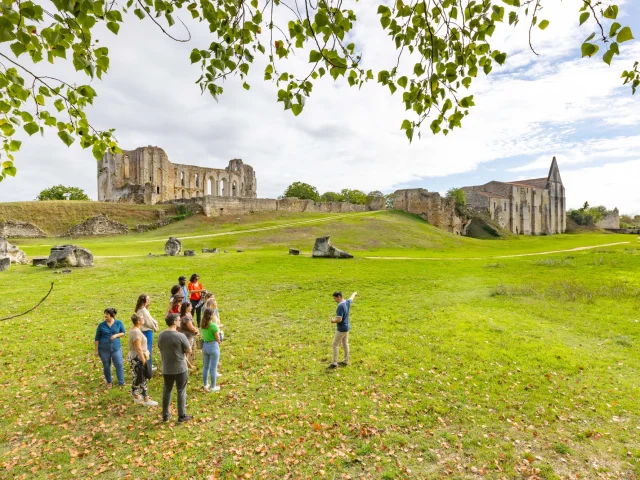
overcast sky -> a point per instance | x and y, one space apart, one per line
528 111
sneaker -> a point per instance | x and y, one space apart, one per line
332 366
214 389
165 419
207 388
186 418
218 374
154 368
343 364
138 400
150 403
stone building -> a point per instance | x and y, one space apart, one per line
610 220
524 207
145 175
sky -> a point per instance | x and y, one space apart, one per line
528 111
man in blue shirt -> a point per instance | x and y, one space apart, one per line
183 288
342 328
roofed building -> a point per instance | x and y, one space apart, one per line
524 207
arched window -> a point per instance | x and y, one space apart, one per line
234 189
516 208
158 190
209 186
125 165
182 180
197 181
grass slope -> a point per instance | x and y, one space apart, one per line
57 217
520 367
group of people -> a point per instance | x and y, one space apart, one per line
177 343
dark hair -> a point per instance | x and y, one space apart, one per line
175 289
183 309
142 300
135 319
171 319
182 277
112 312
337 293
207 316
193 277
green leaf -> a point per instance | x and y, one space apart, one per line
195 55
501 58
615 26
14 146
66 138
402 81
607 57
296 108
31 128
624 35
543 24
314 56
611 12
17 48
139 13
59 105
589 49
584 16
246 86
113 26
10 171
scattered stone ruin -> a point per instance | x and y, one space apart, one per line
172 247
15 254
69 256
524 207
439 212
98 225
611 221
324 249
145 175
5 261
12 229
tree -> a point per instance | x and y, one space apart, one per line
353 196
442 46
587 216
331 197
459 195
58 193
372 196
303 191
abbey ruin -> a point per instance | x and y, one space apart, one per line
524 207
145 175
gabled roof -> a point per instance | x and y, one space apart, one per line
533 182
491 195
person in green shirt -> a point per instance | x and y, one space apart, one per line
210 349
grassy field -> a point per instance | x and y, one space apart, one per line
464 365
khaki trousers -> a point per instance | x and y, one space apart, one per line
340 338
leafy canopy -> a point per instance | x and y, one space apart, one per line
58 193
587 215
303 191
459 195
442 45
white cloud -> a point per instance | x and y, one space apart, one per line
345 137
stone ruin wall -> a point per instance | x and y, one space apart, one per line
610 221
221 206
14 229
145 175
439 212
98 225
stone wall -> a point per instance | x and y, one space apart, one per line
439 212
610 221
12 229
98 225
221 206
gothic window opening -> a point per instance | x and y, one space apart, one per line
209 187
158 190
197 181
234 189
126 167
182 180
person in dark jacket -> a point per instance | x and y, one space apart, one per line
108 348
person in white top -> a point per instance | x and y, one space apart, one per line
149 325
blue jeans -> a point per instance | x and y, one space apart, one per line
210 357
149 335
107 356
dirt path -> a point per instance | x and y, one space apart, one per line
577 249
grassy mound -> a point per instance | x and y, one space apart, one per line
57 217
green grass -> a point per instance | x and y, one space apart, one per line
500 367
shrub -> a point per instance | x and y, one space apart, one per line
303 191
59 191
331 197
459 195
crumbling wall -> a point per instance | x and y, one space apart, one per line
439 212
12 229
610 221
98 225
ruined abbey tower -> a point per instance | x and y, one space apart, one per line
145 175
